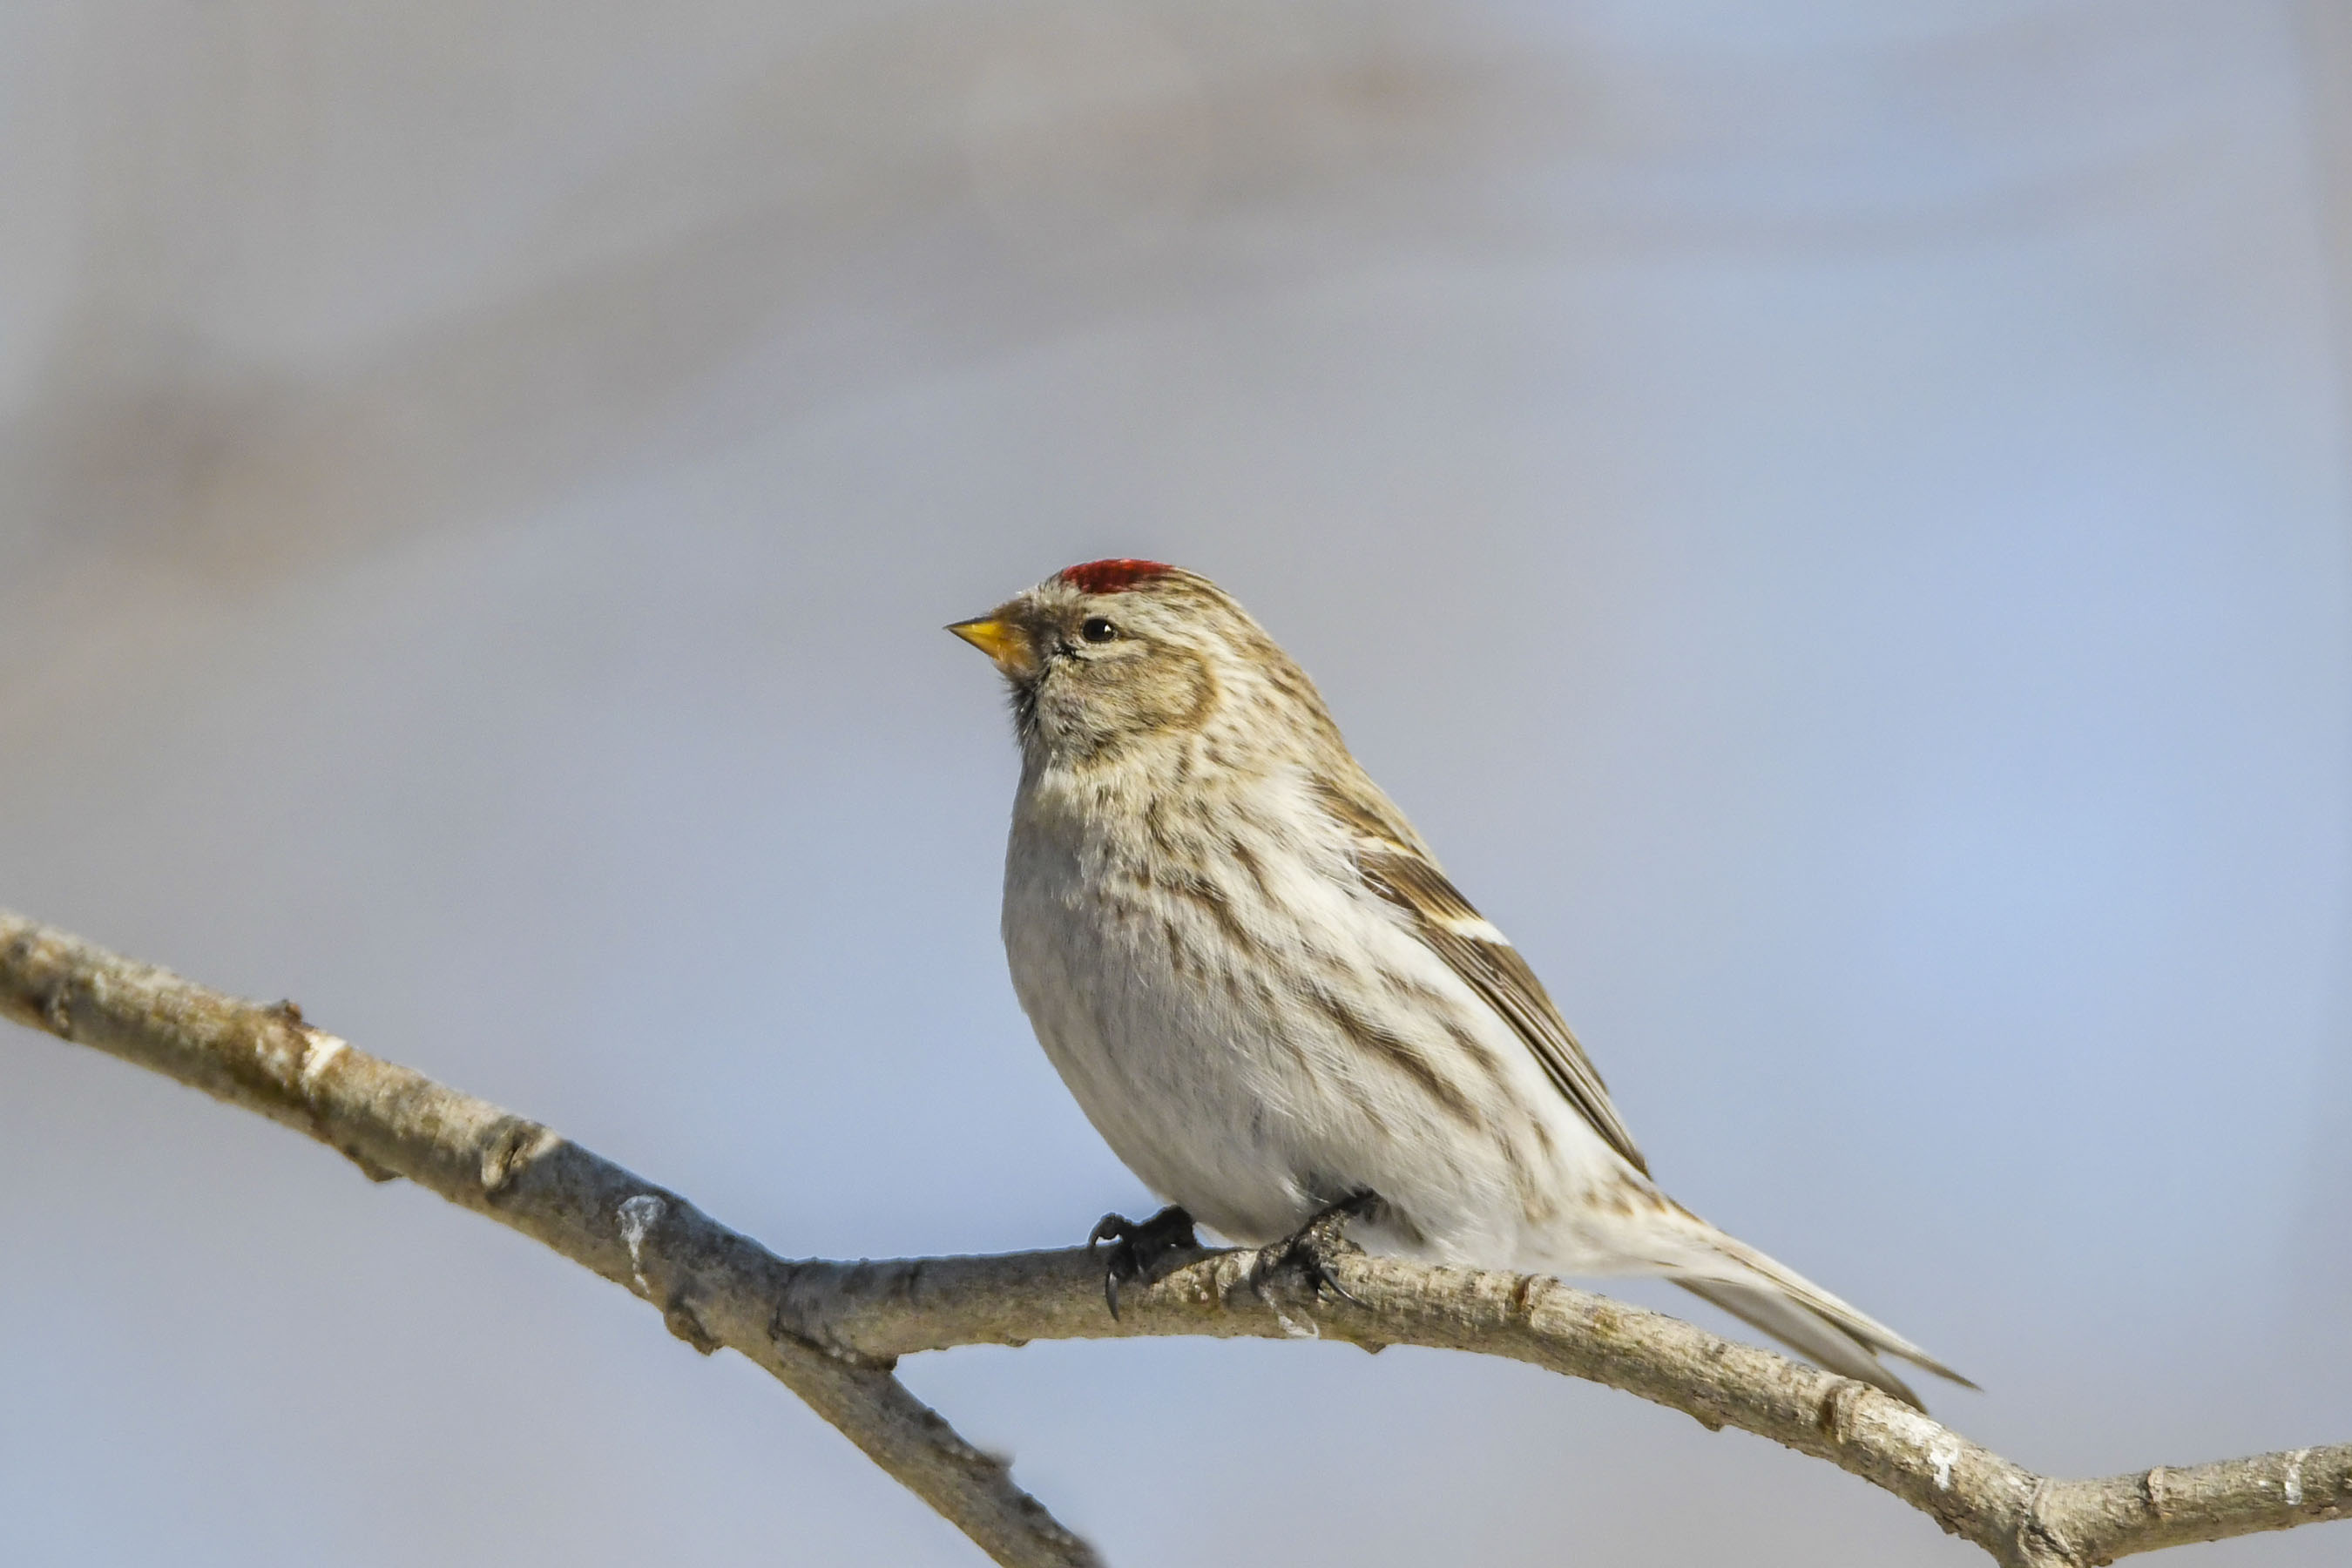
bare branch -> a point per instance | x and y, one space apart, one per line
393 1123
832 1331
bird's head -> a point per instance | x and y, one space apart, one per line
1111 653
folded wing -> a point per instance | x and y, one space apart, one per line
1395 865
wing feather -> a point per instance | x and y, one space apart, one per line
1396 865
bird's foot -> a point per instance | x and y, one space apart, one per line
1310 1248
1139 1253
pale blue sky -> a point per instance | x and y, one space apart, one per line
1834 525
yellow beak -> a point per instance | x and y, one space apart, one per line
999 640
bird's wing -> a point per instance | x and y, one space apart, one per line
1397 865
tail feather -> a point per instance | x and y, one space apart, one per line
1814 1338
1763 1292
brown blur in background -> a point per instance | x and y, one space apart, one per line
1832 516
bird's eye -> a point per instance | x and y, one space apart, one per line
1097 629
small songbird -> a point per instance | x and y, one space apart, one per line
1271 1002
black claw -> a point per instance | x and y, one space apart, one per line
1138 1252
1310 1248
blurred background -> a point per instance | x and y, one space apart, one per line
1832 516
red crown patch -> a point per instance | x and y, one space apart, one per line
1111 576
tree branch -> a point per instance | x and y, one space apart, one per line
393 1123
832 1331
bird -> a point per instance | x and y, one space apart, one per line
1273 1005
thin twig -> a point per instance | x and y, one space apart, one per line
832 1331
392 1122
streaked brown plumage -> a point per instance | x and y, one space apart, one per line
1268 997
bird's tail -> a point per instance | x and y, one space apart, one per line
1790 1307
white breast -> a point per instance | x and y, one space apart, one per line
1209 1004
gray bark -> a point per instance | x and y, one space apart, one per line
833 1331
